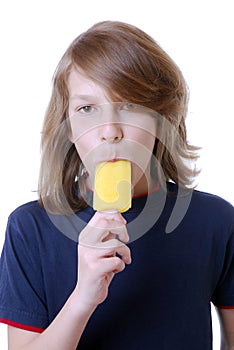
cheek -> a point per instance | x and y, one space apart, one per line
148 141
143 137
84 144
144 131
142 149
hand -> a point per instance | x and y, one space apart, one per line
97 260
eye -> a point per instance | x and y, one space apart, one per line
85 109
128 106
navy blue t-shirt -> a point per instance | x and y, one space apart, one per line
182 259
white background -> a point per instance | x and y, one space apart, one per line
33 36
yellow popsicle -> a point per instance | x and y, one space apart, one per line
112 186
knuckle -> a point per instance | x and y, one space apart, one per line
119 265
103 223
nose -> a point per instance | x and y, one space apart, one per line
111 132
110 129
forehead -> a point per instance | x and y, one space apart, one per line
80 86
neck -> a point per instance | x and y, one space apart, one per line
144 185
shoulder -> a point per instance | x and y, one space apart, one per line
28 212
29 219
29 208
213 209
212 202
202 206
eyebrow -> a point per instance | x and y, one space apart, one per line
81 97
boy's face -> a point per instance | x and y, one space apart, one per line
103 130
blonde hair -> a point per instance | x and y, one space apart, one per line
130 66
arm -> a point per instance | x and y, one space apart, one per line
226 318
63 333
97 266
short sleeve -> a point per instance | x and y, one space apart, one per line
223 296
22 296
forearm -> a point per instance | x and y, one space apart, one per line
225 346
64 332
226 318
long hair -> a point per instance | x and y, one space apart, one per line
131 66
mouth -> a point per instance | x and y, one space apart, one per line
114 160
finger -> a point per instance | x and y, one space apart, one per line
113 229
106 250
112 264
125 253
103 230
109 246
122 250
109 215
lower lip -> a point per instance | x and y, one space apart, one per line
115 160
112 160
